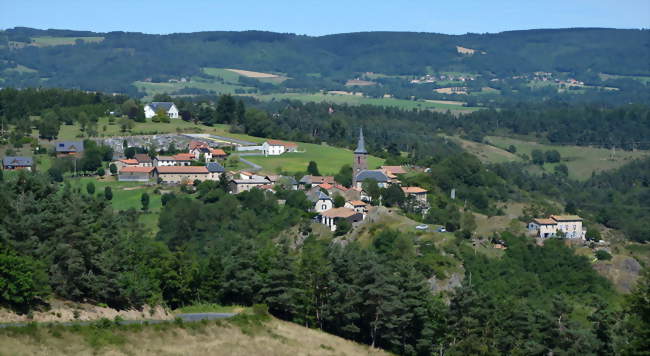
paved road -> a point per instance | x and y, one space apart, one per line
255 167
223 138
191 317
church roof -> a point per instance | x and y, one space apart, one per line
361 145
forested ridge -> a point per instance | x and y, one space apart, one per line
122 58
57 240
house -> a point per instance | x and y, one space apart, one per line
126 162
377 175
395 170
69 148
135 174
289 181
314 180
150 110
197 144
418 193
358 206
215 170
182 174
332 216
10 163
569 225
181 159
143 160
218 153
198 151
321 201
237 186
245 175
277 147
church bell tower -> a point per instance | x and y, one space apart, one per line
360 158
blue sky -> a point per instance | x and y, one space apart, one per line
323 17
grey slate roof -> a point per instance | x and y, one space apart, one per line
214 167
17 161
318 196
361 145
70 146
379 176
158 105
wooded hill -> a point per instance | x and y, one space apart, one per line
112 61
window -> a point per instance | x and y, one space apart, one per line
323 206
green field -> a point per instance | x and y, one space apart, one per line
57 41
195 82
233 77
360 100
642 79
486 153
329 159
582 161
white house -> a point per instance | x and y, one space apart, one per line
277 147
569 225
321 201
150 110
331 217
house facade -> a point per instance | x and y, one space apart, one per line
12 163
182 159
150 110
143 160
237 186
69 148
358 206
331 217
135 174
321 201
182 174
277 147
570 226
418 193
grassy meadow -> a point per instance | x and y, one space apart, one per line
329 159
582 161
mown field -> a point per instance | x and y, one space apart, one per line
582 161
360 100
329 159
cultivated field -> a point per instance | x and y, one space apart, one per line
582 161
329 159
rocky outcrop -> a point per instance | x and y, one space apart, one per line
622 271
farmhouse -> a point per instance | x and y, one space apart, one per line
416 192
126 162
315 180
181 159
288 181
570 226
135 174
143 160
332 216
198 151
10 163
277 147
182 174
69 148
237 186
218 153
168 108
215 170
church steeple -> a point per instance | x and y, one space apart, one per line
360 162
361 145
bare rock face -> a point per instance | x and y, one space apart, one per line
454 281
622 271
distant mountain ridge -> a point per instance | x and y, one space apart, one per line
113 60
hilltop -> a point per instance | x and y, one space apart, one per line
380 65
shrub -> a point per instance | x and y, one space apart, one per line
603 255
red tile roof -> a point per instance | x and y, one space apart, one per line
129 161
218 152
545 221
413 190
339 213
183 157
182 169
136 170
197 144
357 203
281 143
394 169
326 186
566 218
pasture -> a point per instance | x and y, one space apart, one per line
485 153
582 161
329 159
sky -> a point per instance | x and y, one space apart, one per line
322 17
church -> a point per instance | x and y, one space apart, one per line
360 171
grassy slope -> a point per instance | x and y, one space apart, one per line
56 41
582 161
223 337
329 159
486 153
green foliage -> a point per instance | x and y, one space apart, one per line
90 188
344 177
339 200
603 255
342 227
312 169
144 199
23 282
108 193
101 171
393 196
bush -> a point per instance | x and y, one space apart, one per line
603 255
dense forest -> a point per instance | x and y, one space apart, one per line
121 58
58 240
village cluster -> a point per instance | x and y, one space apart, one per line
205 162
